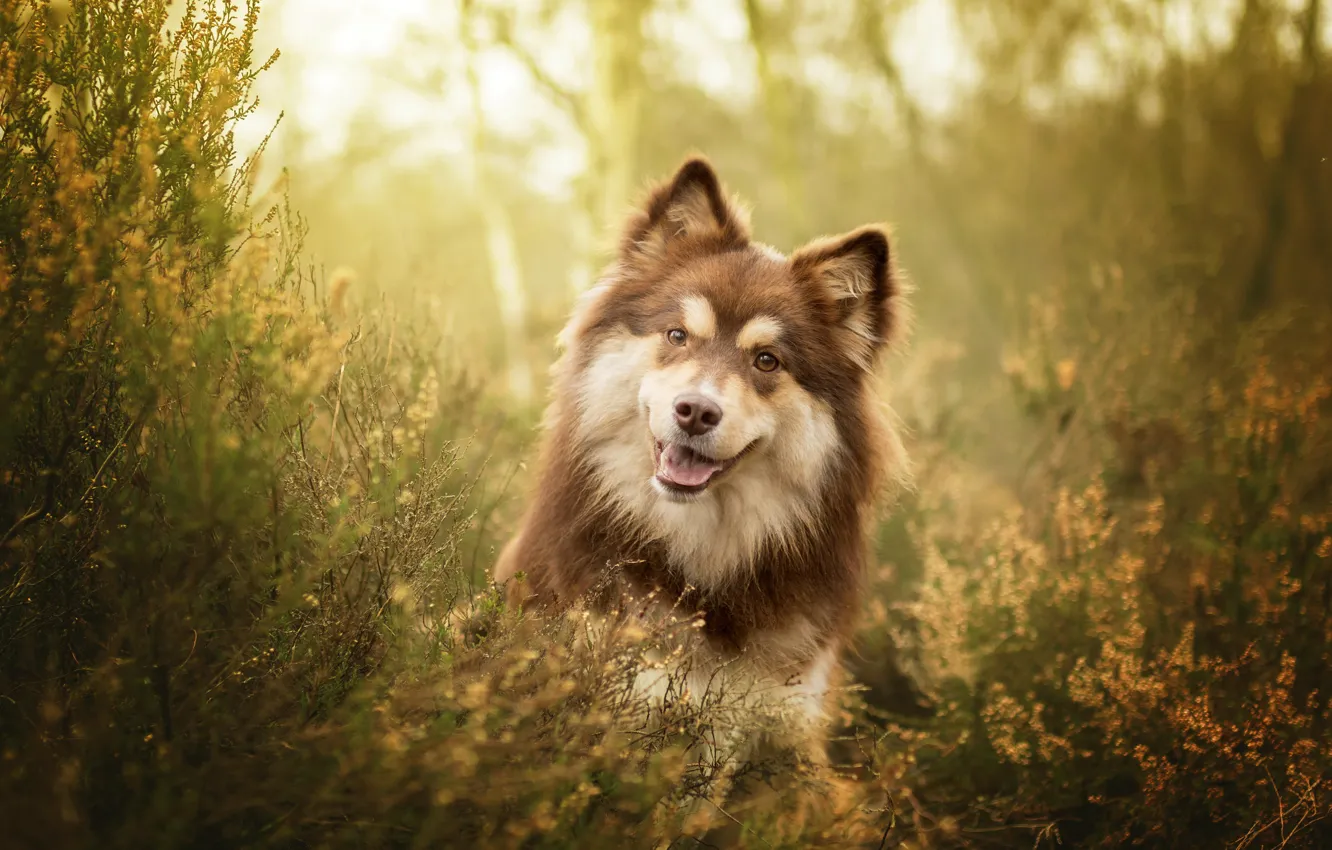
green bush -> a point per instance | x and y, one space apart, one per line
237 604
242 597
1141 658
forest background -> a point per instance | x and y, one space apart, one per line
269 399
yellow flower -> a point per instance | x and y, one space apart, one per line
1066 372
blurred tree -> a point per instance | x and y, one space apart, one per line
606 111
615 102
501 241
1281 183
768 33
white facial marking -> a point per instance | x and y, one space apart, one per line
758 332
612 376
624 403
699 318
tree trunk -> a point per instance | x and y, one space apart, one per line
1286 169
501 242
778 110
614 107
583 233
608 116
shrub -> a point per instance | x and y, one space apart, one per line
1141 658
236 607
239 533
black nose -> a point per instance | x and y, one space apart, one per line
696 415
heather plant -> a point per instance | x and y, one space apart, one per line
1140 658
237 597
247 510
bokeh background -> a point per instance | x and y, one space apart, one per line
1123 160
271 387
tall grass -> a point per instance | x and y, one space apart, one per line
1136 653
239 531
235 604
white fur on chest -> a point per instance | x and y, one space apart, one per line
739 703
784 672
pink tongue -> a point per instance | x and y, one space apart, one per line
680 466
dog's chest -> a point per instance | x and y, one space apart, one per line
787 671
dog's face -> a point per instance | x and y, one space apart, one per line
721 394
708 370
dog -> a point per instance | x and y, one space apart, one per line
715 443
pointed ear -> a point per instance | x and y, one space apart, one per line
692 207
856 271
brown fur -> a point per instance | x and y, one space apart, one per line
839 302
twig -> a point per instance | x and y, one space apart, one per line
337 408
737 822
565 98
107 459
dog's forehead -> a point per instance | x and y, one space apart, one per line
739 287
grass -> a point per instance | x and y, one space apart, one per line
245 520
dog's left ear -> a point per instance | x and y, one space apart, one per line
691 206
856 270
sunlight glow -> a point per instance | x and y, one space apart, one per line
350 60
397 66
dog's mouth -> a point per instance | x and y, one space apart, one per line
683 470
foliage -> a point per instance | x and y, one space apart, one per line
1142 660
246 508
237 604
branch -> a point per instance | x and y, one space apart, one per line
871 26
563 97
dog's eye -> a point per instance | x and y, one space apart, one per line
676 336
766 362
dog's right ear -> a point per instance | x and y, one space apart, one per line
690 208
